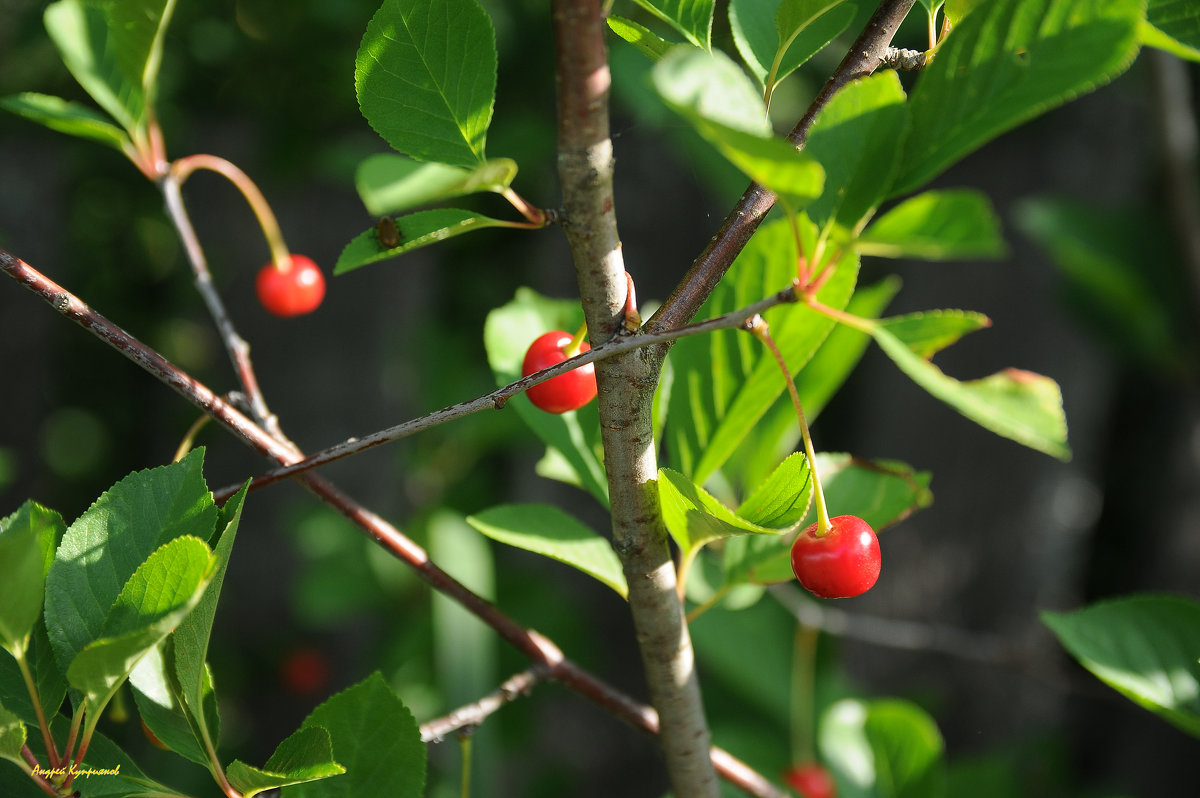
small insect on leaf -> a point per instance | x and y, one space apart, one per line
388 233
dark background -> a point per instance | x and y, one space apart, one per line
269 85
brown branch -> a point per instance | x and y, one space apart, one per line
474 714
710 266
533 645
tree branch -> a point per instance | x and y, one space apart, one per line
537 648
710 266
626 392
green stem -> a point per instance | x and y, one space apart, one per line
464 741
183 168
842 317
759 328
31 686
700 609
804 669
575 346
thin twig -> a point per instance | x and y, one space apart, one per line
476 713
235 345
537 648
498 398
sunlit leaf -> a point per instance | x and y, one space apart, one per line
692 18
646 41
928 332
415 230
1145 647
389 183
936 225
547 530
425 76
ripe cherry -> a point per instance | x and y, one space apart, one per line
810 781
842 563
569 391
293 290
304 671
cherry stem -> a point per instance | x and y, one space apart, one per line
804 668
574 347
31 687
183 168
758 327
536 216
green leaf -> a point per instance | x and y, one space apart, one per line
646 41
726 381
51 684
507 333
425 76
716 97
389 183
416 230
156 598
928 332
12 736
305 756
173 686
101 550
766 42
138 28
80 30
890 744
67 117
376 738
1005 63
936 225
549 531
880 492
694 517
1174 26
783 498
692 18
778 432
1016 404
711 87
28 539
1145 647
857 138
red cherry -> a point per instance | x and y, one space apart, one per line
811 781
304 671
842 563
569 391
293 290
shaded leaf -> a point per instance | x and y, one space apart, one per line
416 230
692 18
28 539
425 76
928 332
891 744
857 138
1005 63
50 682
1145 647
760 35
1174 26
67 117
1016 404
783 498
389 183
936 225
12 736
376 738
646 41
305 756
549 531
